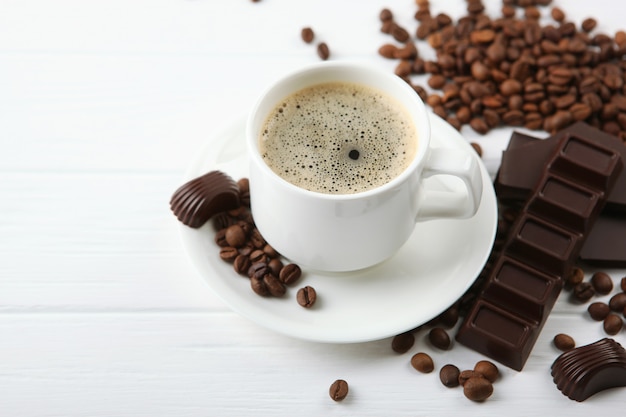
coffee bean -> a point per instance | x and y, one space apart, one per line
258 270
580 111
388 51
558 121
618 302
583 291
532 12
563 342
467 374
306 296
491 117
439 338
575 276
475 7
338 390
560 76
258 286
449 375
602 283
482 36
589 24
623 284
385 15
228 253
274 286
401 343
404 68
436 81
533 120
220 238
451 315
241 264
290 273
235 236
487 369
322 51
422 362
258 256
399 33
510 87
480 71
613 324
479 125
307 34
557 14
513 118
275 265
477 389
598 310
270 251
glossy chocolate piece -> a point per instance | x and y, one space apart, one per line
541 247
199 199
584 371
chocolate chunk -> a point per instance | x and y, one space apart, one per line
584 371
540 249
196 201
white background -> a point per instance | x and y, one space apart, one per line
103 106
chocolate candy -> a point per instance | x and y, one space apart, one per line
521 164
196 201
540 249
582 372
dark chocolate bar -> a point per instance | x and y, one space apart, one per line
605 245
541 247
584 371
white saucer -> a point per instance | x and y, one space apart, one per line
429 273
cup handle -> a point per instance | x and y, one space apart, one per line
462 204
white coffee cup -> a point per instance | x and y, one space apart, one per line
346 232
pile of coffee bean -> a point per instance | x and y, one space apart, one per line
477 383
511 70
242 244
611 314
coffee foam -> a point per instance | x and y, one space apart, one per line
338 138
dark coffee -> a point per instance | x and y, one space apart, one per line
338 138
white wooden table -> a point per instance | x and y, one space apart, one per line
103 105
